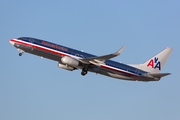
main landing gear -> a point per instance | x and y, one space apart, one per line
84 71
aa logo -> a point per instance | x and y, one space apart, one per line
155 63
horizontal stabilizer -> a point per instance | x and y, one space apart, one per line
159 75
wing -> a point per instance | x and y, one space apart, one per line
101 59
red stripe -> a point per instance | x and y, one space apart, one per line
118 71
39 47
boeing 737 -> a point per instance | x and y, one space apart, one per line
71 59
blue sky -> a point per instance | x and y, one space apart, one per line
35 88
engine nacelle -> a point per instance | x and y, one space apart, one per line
70 61
65 67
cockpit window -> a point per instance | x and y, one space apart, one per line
21 38
28 39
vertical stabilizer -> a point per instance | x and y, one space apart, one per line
156 63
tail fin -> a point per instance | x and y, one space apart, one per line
156 63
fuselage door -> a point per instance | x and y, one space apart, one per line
32 42
137 71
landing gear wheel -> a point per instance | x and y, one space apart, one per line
84 72
20 54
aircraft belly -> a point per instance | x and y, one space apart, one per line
46 54
120 76
110 73
23 47
39 52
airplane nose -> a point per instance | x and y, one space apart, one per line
11 42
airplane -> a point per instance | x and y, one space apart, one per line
71 59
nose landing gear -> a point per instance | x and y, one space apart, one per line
21 52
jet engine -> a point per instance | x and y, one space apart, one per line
65 67
70 61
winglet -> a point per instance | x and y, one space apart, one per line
120 50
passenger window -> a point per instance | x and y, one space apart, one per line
35 41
